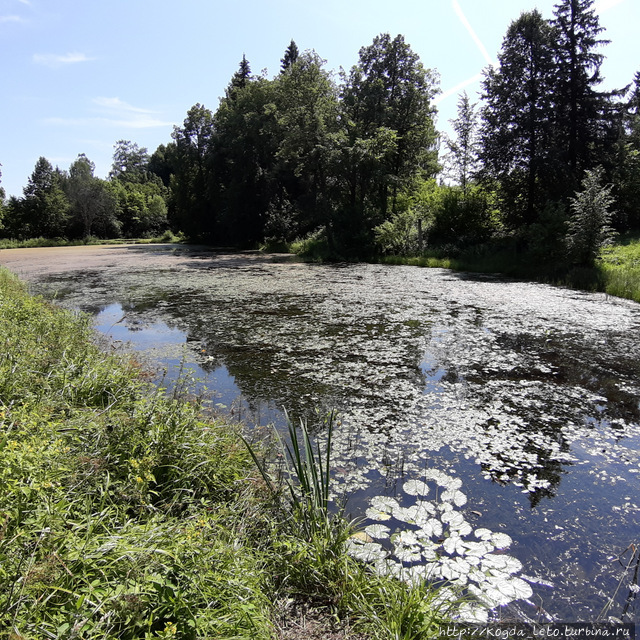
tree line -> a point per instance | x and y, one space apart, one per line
356 164
76 204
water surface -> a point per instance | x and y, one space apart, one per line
530 394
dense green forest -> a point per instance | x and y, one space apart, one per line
546 163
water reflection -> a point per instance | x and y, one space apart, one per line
528 394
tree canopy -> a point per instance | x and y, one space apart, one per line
353 160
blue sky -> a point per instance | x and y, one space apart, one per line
78 75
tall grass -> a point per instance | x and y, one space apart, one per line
381 606
123 513
301 491
620 266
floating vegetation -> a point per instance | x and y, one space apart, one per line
530 393
441 546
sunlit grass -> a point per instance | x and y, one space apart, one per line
31 243
620 265
123 512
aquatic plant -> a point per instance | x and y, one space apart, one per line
299 482
437 547
333 572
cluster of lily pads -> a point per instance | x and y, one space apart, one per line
432 541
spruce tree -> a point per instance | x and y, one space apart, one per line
627 171
577 104
45 208
589 228
290 56
240 78
462 159
517 122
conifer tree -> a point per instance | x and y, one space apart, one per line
290 56
45 208
589 228
577 104
462 159
627 171
240 78
517 126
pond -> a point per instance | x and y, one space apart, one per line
525 397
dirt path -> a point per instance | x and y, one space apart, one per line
32 264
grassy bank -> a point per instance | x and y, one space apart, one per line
620 269
8 243
616 272
125 513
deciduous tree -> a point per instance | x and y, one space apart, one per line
192 210
306 100
93 205
2 195
244 156
130 162
387 114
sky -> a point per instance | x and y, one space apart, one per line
76 76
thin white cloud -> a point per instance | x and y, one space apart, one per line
54 60
6 19
114 112
604 5
483 50
455 90
115 104
126 123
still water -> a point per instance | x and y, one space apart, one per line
528 394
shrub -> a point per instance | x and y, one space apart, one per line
589 228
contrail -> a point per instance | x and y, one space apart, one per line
449 92
472 33
485 54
